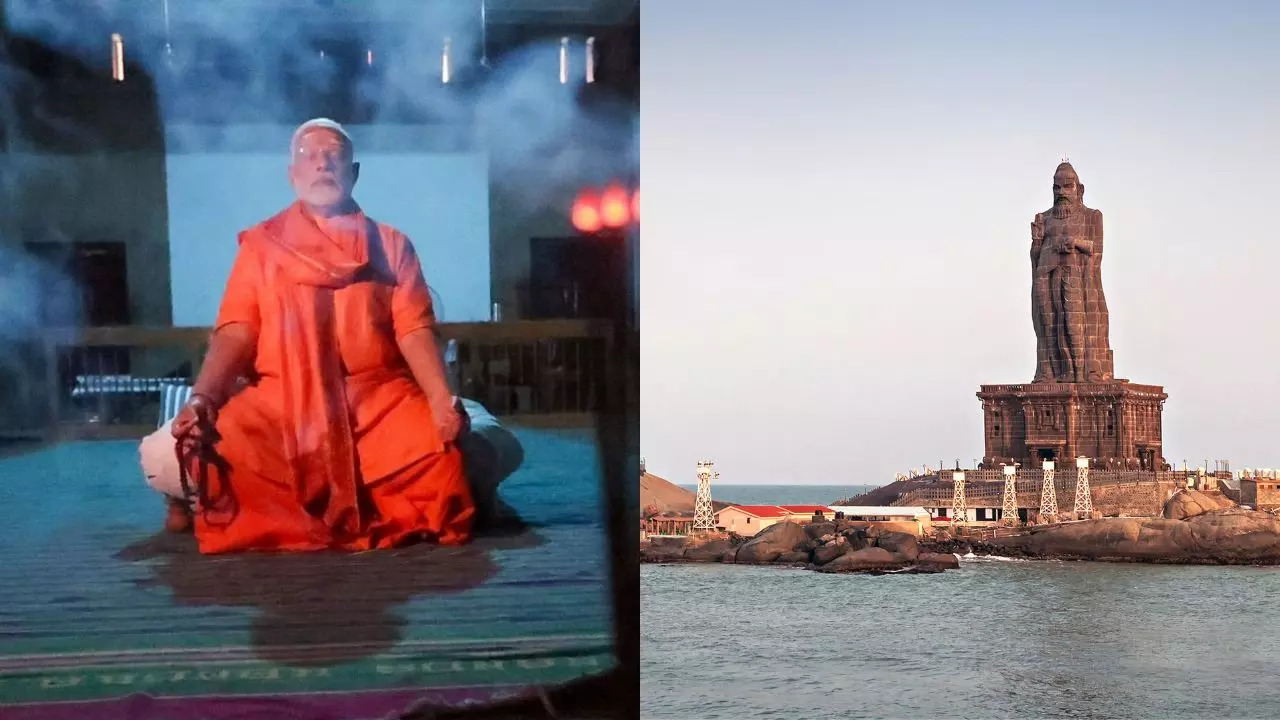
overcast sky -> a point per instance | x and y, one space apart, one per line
837 206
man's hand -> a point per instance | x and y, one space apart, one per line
427 365
451 420
465 425
196 421
230 356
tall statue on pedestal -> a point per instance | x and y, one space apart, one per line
1068 308
1076 407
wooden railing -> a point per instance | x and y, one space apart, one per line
106 382
534 371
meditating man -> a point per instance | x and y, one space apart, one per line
322 417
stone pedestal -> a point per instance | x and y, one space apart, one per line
1116 424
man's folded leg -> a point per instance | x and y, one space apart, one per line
157 454
427 500
490 453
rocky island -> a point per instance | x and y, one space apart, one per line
1196 528
834 547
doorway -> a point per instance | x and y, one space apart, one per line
98 271
97 275
576 277
1146 459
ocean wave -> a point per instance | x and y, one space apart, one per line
970 557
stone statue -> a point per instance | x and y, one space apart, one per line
1068 308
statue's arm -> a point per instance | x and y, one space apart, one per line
1093 244
1037 237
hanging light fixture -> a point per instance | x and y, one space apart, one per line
446 62
484 35
564 60
591 59
117 57
168 47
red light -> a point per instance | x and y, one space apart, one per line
615 210
586 212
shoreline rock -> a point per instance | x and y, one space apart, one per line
1196 529
823 547
1216 537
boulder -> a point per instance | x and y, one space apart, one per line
900 544
866 559
1230 536
794 557
818 529
1189 503
730 556
771 542
856 537
827 553
942 561
858 542
661 552
711 551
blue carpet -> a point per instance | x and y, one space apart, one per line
96 604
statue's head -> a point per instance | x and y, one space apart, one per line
1067 189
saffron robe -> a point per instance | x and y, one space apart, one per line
332 444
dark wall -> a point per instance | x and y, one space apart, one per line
85 156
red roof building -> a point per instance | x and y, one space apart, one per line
807 509
762 511
751 519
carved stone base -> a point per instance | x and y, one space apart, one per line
1115 424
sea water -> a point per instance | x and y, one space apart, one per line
782 494
997 638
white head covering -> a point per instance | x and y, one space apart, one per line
324 123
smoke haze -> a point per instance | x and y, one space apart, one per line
240 63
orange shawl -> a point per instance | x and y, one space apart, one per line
317 261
